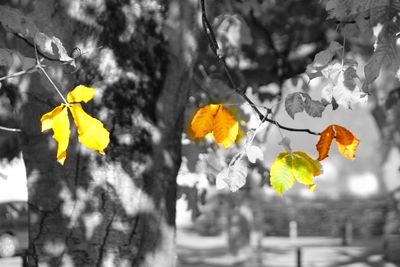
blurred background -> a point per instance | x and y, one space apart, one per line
353 216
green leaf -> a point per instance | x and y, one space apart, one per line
314 165
386 54
289 167
294 104
325 56
313 108
300 169
281 177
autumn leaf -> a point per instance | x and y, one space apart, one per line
57 119
203 121
218 121
80 93
314 166
324 143
226 128
289 167
346 142
91 132
312 187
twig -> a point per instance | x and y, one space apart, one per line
52 83
16 74
214 47
349 21
7 129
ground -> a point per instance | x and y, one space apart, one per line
198 251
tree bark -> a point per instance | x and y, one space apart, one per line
117 209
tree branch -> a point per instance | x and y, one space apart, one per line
7 129
19 73
214 47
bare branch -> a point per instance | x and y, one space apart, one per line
214 47
16 74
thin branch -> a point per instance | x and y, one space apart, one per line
16 74
7 129
54 85
214 47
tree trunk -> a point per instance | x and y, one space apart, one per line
117 209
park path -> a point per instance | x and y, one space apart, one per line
198 251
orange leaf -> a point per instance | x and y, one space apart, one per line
324 143
203 121
346 142
226 127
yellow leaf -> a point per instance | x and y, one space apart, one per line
281 177
80 93
301 169
91 132
312 187
226 127
58 120
289 167
203 121
315 166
